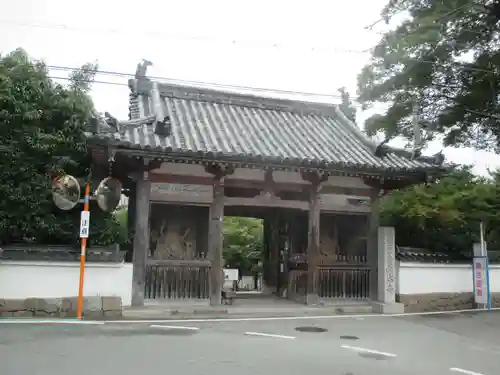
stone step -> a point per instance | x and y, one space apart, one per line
165 312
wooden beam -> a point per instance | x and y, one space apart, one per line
141 239
253 184
180 263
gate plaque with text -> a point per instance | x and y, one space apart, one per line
181 193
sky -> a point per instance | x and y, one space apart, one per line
306 47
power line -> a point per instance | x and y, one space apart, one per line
354 103
369 27
198 83
174 35
250 88
91 81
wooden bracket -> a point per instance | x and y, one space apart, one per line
146 161
269 185
149 163
316 178
219 170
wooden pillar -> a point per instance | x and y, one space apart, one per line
215 239
372 243
316 181
141 238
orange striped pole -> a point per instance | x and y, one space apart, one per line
84 235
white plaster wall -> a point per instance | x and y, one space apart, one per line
60 279
418 278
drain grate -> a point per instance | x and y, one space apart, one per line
349 337
311 329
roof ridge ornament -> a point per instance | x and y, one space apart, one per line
142 68
109 124
140 75
382 150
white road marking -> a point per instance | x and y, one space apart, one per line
301 317
174 327
48 321
467 372
492 349
269 335
364 350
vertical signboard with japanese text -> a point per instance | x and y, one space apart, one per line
481 282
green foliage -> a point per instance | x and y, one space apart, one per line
121 216
41 129
243 239
346 105
445 216
445 56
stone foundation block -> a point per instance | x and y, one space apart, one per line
388 308
66 307
111 304
442 301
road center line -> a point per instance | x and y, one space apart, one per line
364 350
461 370
174 327
269 335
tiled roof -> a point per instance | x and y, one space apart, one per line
226 125
409 254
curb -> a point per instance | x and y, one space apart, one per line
49 321
227 314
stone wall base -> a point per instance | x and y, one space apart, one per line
388 308
93 307
441 301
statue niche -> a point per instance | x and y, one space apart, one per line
173 241
329 247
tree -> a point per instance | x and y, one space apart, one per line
42 128
346 105
243 239
445 216
121 216
445 58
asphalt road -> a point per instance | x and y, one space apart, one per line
430 345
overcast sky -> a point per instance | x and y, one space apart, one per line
303 46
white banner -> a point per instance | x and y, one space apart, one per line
481 280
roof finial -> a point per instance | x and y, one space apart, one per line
142 68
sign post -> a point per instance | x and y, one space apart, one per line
84 234
66 196
481 273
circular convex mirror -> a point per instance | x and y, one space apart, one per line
108 194
65 192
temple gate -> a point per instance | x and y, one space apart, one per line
189 155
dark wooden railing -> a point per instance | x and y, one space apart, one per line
334 282
177 280
344 282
